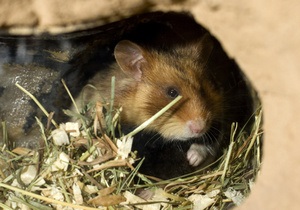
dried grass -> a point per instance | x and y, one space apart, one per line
84 166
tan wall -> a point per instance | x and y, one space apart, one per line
263 36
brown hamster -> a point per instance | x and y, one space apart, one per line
148 79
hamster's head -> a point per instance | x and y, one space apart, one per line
160 77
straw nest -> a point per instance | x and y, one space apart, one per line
82 165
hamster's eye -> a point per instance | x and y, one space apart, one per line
172 92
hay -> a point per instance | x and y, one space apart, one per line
84 166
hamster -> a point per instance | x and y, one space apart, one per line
148 79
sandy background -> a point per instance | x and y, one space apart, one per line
264 38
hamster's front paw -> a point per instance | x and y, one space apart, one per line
196 154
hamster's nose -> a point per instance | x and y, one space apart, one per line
196 126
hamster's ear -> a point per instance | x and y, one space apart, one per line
129 57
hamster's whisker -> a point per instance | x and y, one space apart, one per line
215 129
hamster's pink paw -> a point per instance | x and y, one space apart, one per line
196 154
